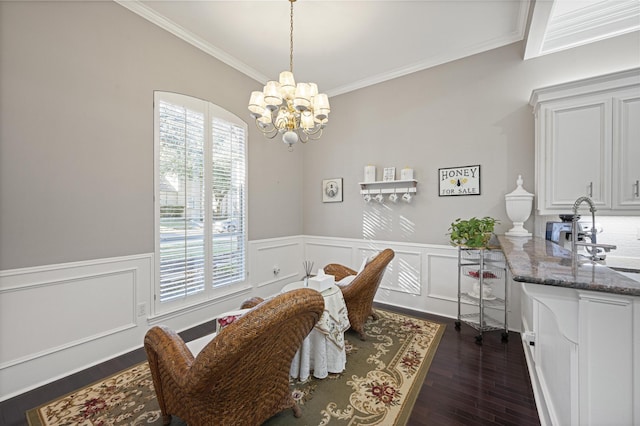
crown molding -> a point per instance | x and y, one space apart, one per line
590 24
601 83
423 65
137 7
516 35
150 15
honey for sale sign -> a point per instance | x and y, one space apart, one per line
459 181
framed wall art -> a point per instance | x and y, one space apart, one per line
389 174
332 190
459 181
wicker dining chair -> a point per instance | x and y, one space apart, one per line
359 293
242 376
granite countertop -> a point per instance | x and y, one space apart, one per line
536 260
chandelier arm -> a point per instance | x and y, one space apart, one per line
269 133
313 137
310 136
271 136
317 129
304 137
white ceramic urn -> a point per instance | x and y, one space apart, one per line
519 203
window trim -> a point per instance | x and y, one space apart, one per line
210 110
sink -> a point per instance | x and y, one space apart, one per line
623 264
632 275
629 265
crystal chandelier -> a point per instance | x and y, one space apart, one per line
298 112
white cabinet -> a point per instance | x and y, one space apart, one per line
626 150
583 354
588 143
577 152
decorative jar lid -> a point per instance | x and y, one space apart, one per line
519 192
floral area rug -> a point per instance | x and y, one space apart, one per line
378 387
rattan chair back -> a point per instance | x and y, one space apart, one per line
359 293
242 376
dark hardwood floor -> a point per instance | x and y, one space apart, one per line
471 384
467 384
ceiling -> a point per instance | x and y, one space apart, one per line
346 45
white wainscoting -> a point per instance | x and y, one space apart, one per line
275 262
422 277
59 319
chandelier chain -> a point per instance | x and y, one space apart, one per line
291 39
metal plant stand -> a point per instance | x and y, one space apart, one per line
482 313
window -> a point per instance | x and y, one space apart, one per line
200 199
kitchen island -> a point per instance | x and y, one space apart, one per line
536 260
581 334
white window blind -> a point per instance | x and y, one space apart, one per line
200 161
229 166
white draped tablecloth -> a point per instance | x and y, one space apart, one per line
322 351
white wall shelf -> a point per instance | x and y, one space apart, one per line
389 187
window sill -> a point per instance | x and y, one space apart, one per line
226 294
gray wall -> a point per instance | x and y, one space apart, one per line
471 111
76 135
76 132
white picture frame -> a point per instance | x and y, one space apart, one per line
332 190
389 174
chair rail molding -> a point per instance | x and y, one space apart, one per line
421 277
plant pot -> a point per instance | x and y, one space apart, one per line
472 233
487 291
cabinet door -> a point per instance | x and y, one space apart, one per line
626 151
578 153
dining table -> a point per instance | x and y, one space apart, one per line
323 350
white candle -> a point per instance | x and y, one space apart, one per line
406 174
370 174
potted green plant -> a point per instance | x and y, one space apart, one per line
473 232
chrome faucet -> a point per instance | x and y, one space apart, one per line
593 248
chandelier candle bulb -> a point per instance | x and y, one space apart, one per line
314 89
287 84
256 104
306 121
265 119
272 96
302 101
321 106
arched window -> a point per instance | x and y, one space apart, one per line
200 199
